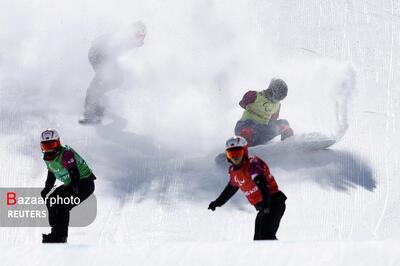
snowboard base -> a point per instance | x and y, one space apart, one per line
305 142
298 143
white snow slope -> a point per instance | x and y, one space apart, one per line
154 154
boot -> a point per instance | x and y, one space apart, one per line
53 238
57 235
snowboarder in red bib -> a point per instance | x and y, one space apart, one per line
251 175
259 123
66 165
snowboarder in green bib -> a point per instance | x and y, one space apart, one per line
259 123
63 164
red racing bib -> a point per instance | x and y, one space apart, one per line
243 177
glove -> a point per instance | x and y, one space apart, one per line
44 192
286 133
212 206
262 208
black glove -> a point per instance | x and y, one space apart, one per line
44 192
212 206
262 208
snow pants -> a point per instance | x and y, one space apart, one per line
59 213
267 225
257 134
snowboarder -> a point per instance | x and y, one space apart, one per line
104 57
251 175
64 164
259 123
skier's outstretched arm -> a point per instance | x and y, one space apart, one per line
261 182
226 194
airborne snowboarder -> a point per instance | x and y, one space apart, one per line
259 123
104 57
66 165
251 175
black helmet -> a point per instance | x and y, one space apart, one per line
277 90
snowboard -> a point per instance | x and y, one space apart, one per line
86 121
299 143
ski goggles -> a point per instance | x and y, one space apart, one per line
236 152
49 146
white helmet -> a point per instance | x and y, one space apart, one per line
50 141
236 147
49 134
236 141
